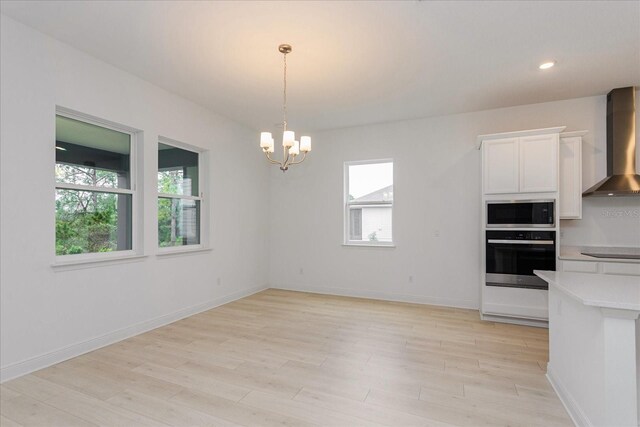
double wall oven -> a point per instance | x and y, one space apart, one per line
522 245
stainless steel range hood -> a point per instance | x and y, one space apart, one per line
622 179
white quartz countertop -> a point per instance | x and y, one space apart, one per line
597 290
574 253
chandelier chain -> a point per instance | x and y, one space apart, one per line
284 104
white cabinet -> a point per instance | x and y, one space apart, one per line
628 269
570 177
500 166
528 164
538 163
623 268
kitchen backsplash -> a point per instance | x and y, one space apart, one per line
606 221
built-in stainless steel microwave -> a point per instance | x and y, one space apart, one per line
521 213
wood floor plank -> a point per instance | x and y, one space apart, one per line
282 358
7 393
6 422
86 383
193 381
431 410
38 388
31 412
367 411
128 379
304 410
99 412
285 386
236 412
167 412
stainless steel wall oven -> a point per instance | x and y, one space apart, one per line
513 255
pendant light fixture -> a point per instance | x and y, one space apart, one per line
291 148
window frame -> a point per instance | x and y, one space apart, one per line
203 173
347 205
135 156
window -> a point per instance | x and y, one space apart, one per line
369 202
179 195
94 187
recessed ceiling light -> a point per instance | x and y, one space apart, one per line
547 65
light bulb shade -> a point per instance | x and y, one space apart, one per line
265 139
288 137
295 148
305 144
270 148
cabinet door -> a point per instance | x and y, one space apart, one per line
580 266
627 268
500 165
571 178
538 163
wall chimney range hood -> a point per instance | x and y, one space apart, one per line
622 179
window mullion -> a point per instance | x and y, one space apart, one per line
80 187
178 196
369 205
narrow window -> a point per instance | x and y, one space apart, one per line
369 202
94 188
180 195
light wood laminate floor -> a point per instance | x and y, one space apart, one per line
281 358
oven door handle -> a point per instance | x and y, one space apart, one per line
522 242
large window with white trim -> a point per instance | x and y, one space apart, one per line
94 187
368 202
180 195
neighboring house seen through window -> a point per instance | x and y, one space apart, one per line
369 202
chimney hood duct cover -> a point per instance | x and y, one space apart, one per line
622 179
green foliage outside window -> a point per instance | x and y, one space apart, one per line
169 209
86 221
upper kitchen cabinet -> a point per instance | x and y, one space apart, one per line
571 175
500 168
539 163
520 162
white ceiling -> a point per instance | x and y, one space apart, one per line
354 62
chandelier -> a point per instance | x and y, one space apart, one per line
291 148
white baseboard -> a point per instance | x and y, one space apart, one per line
490 317
24 367
517 311
415 299
576 414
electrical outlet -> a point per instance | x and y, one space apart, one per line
410 279
219 281
301 270
436 233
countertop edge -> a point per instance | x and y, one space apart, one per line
549 277
573 253
587 258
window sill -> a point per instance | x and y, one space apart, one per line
370 245
79 264
171 252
